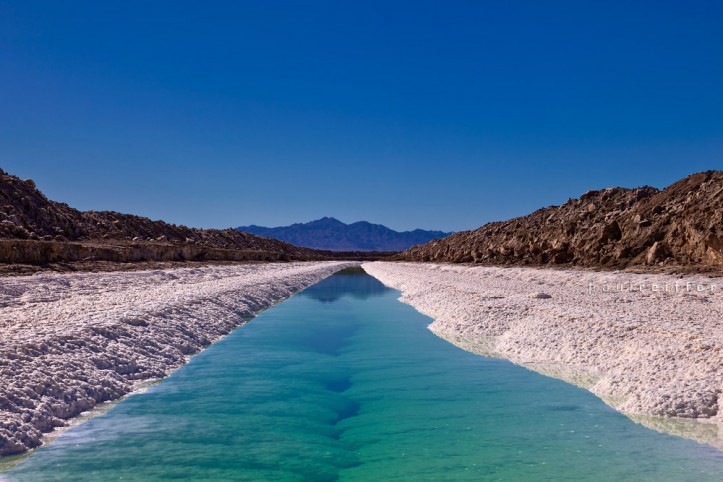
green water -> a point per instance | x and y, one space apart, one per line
343 382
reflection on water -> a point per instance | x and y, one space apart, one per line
356 388
347 282
703 432
486 346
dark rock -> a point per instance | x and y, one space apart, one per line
656 253
611 232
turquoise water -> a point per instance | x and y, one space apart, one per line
343 382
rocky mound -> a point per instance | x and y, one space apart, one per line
31 226
682 225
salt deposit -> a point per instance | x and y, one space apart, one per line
71 341
650 345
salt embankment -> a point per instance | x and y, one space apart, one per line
71 341
649 345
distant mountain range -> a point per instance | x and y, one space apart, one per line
332 234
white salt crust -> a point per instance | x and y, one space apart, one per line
648 351
71 341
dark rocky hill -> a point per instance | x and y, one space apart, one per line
332 234
682 225
36 230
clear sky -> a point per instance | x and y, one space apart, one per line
438 115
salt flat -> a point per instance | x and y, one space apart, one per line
650 345
71 341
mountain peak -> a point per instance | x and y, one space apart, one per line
327 220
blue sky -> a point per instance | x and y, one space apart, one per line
439 115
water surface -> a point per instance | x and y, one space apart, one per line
343 382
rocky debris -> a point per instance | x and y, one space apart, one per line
648 344
71 341
682 225
657 252
540 296
27 215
